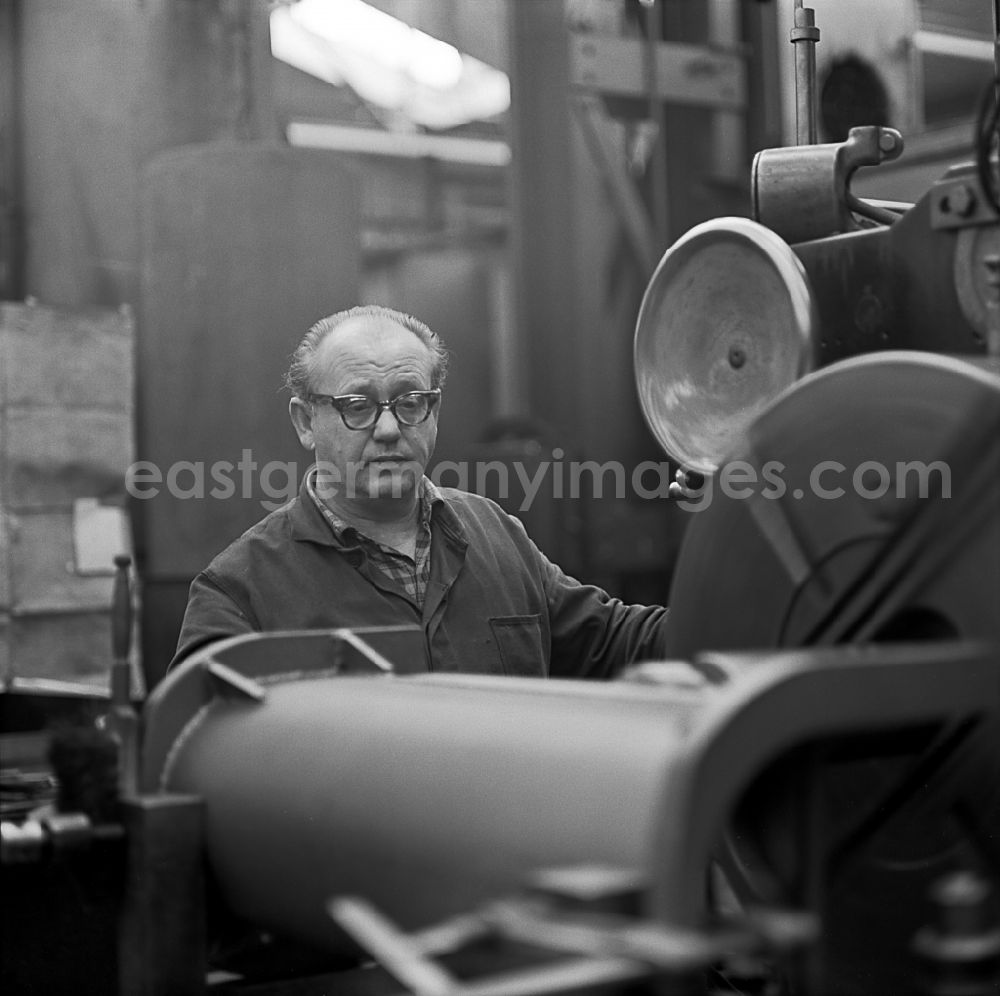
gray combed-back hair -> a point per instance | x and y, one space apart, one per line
298 380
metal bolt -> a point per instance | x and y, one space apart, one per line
960 950
961 200
992 264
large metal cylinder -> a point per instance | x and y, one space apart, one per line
426 795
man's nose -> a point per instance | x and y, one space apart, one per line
386 426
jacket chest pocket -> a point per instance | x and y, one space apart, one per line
519 642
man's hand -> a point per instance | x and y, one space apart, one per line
687 485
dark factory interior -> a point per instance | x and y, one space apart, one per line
655 652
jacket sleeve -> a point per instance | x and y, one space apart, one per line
212 614
595 635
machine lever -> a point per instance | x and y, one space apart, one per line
391 948
591 950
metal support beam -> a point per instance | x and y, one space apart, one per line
162 934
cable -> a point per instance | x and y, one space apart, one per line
869 209
987 120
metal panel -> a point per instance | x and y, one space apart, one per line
103 86
53 456
68 358
73 647
79 72
245 246
687 74
449 289
44 574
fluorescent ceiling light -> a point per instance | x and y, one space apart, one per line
382 38
387 62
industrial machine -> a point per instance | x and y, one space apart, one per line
804 798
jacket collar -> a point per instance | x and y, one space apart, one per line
308 524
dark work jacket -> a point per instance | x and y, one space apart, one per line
494 603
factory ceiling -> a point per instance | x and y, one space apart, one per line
411 64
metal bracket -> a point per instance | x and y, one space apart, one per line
803 192
960 203
603 948
226 681
698 75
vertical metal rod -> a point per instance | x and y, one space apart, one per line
123 719
996 49
805 36
12 241
728 127
991 264
657 115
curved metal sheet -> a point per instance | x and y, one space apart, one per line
867 510
423 795
806 513
726 323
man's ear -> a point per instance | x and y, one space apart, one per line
300 412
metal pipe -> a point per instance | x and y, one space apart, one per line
996 50
659 179
805 37
124 719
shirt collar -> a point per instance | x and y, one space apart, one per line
427 495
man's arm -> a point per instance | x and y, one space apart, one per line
212 614
595 635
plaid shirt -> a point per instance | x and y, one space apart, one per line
410 575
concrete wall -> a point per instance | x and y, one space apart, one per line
66 438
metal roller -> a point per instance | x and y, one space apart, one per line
425 795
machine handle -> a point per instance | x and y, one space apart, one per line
121 609
124 721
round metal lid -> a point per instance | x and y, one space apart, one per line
727 322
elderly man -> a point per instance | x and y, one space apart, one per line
370 541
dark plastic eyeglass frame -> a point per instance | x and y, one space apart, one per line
339 401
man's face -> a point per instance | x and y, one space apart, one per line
381 360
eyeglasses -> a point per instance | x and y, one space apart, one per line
359 412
